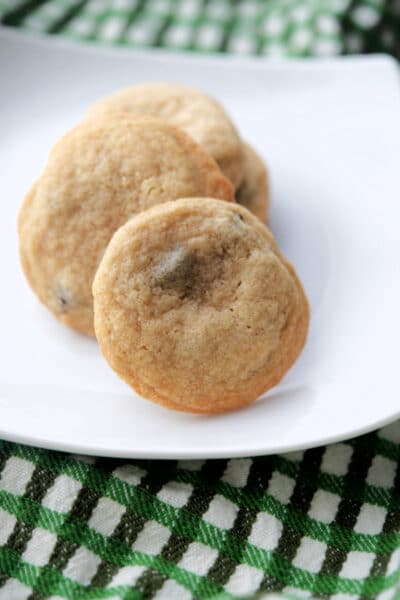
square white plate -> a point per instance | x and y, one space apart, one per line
330 132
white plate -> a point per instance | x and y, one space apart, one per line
330 131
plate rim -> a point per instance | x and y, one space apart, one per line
45 41
93 450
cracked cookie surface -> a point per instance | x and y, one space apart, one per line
196 308
98 176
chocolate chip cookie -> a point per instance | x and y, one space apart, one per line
98 176
202 117
196 308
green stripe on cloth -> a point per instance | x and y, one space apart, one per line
135 498
179 521
78 532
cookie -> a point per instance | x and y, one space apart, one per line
195 307
253 192
200 116
98 176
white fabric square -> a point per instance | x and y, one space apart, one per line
269 596
191 465
171 589
52 10
382 472
219 11
106 516
81 26
301 38
34 22
324 506
294 456
241 44
178 35
198 558
244 580
96 6
7 523
302 13
40 547
327 47
140 34
209 36
394 562
281 487
327 24
388 595
357 565
130 474
290 590
188 9
266 531
123 5
62 494
16 475
158 6
127 576
391 432
152 538
370 519
14 590
248 8
310 555
365 16
112 28
237 471
336 459
175 493
273 26
221 512
82 566
344 597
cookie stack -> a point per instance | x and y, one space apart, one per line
139 231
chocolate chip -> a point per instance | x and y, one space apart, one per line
238 221
175 271
63 298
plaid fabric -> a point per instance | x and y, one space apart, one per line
270 27
322 523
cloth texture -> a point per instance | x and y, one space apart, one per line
323 523
267 27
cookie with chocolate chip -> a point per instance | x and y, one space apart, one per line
202 117
253 192
98 176
196 308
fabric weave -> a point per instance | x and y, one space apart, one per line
266 27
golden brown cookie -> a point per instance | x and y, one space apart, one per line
98 176
253 192
200 116
196 308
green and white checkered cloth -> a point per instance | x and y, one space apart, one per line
270 27
320 523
